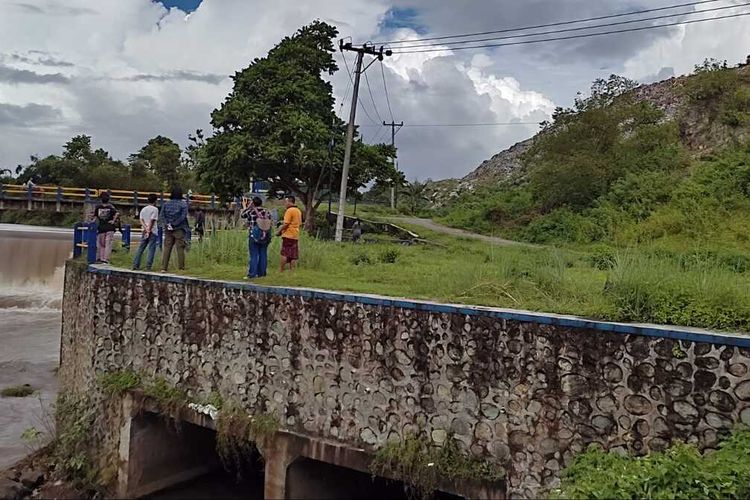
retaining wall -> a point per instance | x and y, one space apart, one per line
524 390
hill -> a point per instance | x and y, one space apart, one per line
627 165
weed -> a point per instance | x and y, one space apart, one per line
169 398
74 416
236 433
17 391
680 472
118 383
424 466
360 259
389 256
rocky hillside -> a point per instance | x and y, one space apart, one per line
698 130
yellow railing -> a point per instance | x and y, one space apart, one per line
76 194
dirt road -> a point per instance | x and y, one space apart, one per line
439 228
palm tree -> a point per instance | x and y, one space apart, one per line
415 194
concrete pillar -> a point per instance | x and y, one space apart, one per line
278 453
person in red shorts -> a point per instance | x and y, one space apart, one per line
289 232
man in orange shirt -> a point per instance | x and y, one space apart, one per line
289 233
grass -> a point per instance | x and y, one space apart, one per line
647 283
17 391
681 472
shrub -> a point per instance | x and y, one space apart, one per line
602 257
680 472
389 256
360 259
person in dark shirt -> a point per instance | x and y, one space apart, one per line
175 214
259 224
200 223
106 217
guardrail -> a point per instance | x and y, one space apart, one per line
84 239
136 199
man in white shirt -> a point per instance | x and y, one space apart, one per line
149 237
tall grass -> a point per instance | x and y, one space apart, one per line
629 285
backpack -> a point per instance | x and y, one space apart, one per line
261 230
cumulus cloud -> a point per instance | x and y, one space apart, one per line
126 70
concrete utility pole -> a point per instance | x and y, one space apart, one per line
393 126
361 51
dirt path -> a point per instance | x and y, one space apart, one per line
439 228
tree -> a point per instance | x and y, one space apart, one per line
278 124
161 156
415 195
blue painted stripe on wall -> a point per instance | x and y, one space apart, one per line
648 330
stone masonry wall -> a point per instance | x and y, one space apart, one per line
524 390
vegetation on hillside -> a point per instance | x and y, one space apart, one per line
614 169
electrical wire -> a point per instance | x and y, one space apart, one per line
549 25
581 28
359 102
385 88
571 37
348 87
372 99
491 124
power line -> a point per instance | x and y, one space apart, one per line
560 23
491 124
385 88
351 80
372 99
580 28
348 85
571 37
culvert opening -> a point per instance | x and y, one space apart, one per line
308 479
179 460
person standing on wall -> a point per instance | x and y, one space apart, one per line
260 226
289 232
149 217
175 214
106 223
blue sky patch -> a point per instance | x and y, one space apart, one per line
186 5
402 17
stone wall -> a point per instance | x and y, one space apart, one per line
524 390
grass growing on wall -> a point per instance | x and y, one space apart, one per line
681 472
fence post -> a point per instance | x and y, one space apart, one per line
126 237
213 202
29 196
91 241
77 240
86 196
161 200
58 199
135 200
2 197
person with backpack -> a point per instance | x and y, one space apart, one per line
260 225
106 217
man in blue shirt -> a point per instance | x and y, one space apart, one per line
175 215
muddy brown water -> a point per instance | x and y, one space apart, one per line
31 277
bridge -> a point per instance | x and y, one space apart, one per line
332 388
74 199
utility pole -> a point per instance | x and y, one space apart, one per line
393 126
361 51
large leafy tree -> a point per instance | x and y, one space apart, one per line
161 156
278 124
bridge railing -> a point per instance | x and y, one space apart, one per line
84 239
136 199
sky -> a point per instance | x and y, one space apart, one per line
124 71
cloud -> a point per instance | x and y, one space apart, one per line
37 58
52 8
188 76
28 115
18 76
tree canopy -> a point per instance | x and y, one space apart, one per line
278 124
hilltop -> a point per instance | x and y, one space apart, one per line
627 165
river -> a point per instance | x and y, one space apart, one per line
31 279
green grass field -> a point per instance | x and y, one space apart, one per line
648 284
